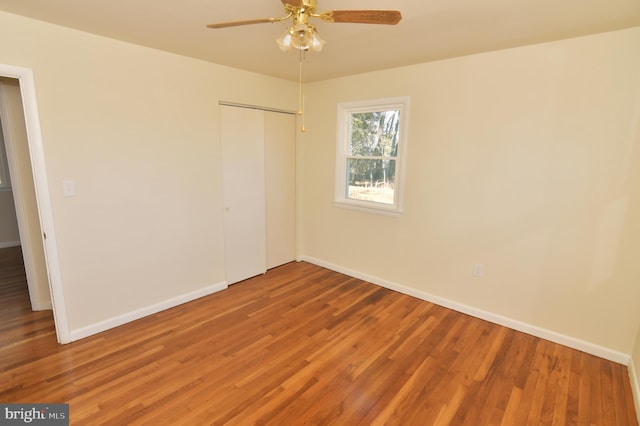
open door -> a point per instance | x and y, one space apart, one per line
16 146
47 235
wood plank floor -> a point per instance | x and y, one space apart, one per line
302 345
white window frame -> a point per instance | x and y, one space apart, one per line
345 110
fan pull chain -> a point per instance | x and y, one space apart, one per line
300 93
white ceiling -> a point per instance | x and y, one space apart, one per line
429 30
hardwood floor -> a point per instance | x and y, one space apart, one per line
302 345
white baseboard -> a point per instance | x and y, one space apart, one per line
140 313
635 387
7 244
562 339
42 306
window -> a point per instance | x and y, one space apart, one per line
370 142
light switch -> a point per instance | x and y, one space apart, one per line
478 270
68 188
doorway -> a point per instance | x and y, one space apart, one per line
18 107
18 193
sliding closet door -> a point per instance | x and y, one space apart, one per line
280 164
243 167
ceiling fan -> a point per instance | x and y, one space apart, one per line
302 35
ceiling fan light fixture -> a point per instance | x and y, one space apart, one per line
302 37
284 41
317 43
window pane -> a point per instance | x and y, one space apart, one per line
375 133
371 180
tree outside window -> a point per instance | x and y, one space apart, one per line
371 163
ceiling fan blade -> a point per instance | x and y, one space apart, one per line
387 17
246 22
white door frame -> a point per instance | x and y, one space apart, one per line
43 196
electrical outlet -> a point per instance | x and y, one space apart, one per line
478 270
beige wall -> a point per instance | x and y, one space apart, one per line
9 234
137 130
526 160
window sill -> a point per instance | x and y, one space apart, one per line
367 208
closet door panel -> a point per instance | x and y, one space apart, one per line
243 158
280 180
